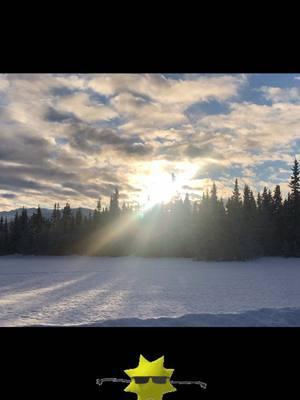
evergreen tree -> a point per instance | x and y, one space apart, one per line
277 218
78 218
38 241
277 200
97 214
114 208
294 210
235 224
259 202
67 218
266 222
213 193
99 207
210 227
55 217
24 239
6 237
236 196
294 183
187 204
249 243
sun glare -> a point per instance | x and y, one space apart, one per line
162 189
161 186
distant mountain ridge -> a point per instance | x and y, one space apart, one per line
46 212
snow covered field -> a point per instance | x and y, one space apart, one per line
135 291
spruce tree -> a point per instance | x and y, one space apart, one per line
114 208
235 224
213 193
187 204
236 196
277 200
78 218
294 209
277 217
6 237
37 226
67 218
294 183
248 243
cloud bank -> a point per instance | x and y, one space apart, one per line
75 137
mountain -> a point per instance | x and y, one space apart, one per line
46 212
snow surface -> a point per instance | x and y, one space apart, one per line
131 291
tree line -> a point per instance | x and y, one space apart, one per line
247 226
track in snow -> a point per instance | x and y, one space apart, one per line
164 291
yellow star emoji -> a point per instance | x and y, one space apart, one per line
150 380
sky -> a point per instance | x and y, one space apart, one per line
75 137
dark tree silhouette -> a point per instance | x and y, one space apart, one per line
209 229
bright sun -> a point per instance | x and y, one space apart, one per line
161 186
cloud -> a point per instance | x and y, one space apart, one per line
167 90
18 183
22 148
202 151
140 113
153 101
49 173
83 108
53 115
281 95
191 188
8 195
253 128
96 140
77 136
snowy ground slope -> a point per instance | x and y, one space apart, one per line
165 291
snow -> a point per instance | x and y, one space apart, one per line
132 291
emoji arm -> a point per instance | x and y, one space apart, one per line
100 381
202 384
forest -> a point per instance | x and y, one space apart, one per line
245 226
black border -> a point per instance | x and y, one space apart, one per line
136 50
232 361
